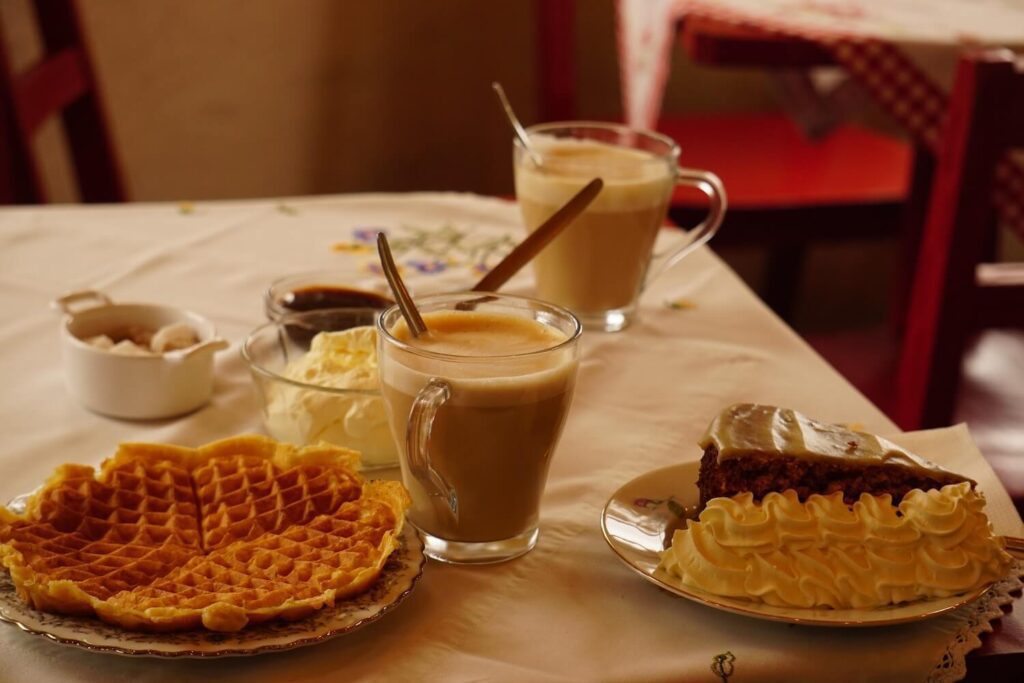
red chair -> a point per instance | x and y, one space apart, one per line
955 293
787 192
61 82
785 189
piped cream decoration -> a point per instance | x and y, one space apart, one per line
824 553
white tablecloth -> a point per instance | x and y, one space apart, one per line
569 609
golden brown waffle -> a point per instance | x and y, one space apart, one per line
235 532
247 489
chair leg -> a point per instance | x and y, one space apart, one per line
783 271
934 327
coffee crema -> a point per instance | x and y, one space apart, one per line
467 333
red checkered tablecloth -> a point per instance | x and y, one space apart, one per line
868 38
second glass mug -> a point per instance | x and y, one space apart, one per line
476 433
600 264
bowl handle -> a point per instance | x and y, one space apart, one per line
215 344
65 303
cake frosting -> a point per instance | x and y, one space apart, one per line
825 553
748 429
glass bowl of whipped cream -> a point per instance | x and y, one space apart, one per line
315 374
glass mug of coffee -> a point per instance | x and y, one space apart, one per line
477 406
601 263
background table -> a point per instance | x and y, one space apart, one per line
569 609
902 52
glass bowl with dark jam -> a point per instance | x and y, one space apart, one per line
320 290
316 290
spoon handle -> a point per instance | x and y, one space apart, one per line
517 127
405 304
539 238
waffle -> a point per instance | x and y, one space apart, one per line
233 533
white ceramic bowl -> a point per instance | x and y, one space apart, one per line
134 387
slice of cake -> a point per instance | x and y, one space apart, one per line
760 449
797 513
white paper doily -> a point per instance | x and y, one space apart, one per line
976 618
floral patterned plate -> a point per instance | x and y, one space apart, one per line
401 572
638 523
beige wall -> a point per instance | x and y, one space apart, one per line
245 98
241 98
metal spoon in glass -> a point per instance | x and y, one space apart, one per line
517 127
405 304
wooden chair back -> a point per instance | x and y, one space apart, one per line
955 292
61 82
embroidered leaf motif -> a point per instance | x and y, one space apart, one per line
676 509
351 248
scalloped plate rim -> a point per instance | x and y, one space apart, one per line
852 618
410 540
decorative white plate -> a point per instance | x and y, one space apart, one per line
401 572
638 523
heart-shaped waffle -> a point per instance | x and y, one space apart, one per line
235 532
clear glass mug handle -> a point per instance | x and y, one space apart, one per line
417 436
712 186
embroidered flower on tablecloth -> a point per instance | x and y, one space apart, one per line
429 250
364 240
673 505
373 267
723 665
428 267
368 234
